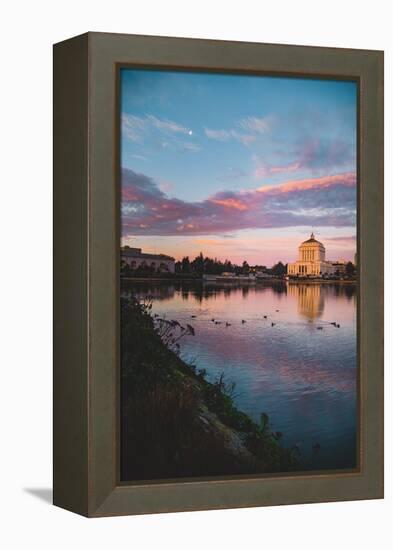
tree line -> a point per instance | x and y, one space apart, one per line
201 265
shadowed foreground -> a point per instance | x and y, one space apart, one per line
176 424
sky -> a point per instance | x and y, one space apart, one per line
237 167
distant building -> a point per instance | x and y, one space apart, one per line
134 258
311 260
262 275
340 267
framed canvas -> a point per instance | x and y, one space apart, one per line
218 274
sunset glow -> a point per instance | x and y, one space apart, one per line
237 167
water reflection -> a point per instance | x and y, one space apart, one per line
198 290
287 359
310 299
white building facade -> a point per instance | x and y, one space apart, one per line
312 261
135 258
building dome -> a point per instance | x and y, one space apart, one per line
312 241
311 260
311 250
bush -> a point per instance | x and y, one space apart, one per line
162 398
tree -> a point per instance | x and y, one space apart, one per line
245 268
208 266
197 264
185 265
125 269
279 269
228 266
350 269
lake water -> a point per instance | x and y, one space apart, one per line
301 371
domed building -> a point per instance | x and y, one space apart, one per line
311 260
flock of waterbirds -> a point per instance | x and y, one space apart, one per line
315 446
272 323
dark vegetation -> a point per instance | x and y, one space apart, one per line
350 269
200 265
203 264
174 422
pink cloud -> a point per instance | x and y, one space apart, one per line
288 168
230 203
347 180
323 201
312 155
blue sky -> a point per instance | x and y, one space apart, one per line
200 149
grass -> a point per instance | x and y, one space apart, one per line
174 423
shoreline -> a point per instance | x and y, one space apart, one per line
233 281
171 412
